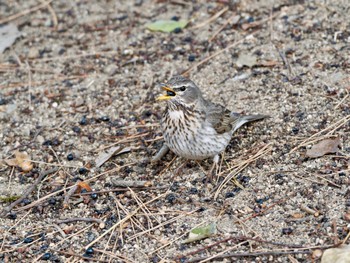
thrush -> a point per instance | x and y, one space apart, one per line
193 127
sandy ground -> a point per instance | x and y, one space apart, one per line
82 78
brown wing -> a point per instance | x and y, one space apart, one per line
219 117
224 120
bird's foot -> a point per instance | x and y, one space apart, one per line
213 170
162 152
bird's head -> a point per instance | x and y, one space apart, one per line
180 90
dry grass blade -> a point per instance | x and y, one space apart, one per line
25 12
123 220
106 155
29 190
241 166
330 130
218 14
162 224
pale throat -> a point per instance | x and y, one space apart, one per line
176 114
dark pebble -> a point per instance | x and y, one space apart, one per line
76 129
200 210
155 259
83 121
260 201
193 191
28 240
46 256
52 201
55 142
89 251
175 18
82 170
70 157
2 101
175 186
191 58
229 194
287 231
94 196
295 130
47 143
250 19
104 118
245 179
26 201
170 198
61 51
12 216
177 30
188 39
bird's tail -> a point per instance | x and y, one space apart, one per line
239 120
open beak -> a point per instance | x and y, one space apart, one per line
169 93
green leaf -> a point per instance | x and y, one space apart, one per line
166 25
200 233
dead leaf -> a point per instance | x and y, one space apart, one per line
200 233
21 160
324 147
337 255
105 155
166 25
8 35
83 185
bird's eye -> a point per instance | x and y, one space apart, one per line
183 88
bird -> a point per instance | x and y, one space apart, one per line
195 128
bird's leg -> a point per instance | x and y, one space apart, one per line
163 151
214 166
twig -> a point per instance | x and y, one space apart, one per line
218 14
28 191
333 127
309 210
239 239
25 12
341 102
115 256
89 259
222 27
122 221
285 60
84 219
241 166
53 14
67 188
268 208
253 254
128 183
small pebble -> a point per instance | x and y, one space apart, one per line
46 256
177 30
83 121
82 170
12 216
28 240
70 157
89 251
287 231
191 58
